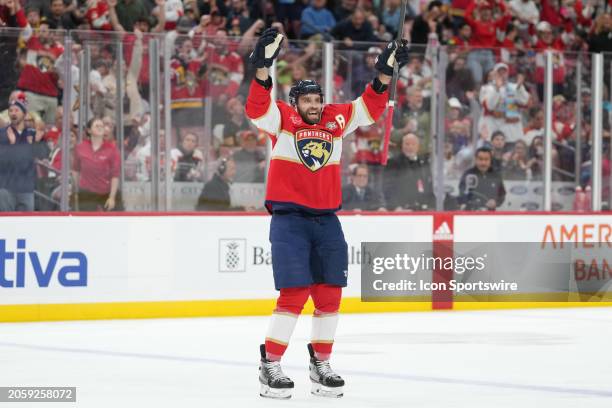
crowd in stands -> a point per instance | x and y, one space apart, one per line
493 74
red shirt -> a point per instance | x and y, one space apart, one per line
98 16
96 168
38 74
225 71
485 33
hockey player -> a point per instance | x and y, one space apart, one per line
309 253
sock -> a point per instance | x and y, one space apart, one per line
325 318
289 305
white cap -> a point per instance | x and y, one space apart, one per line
454 103
543 26
499 66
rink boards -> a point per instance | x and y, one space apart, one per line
62 267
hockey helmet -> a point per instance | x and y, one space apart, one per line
304 87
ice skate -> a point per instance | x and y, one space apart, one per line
325 382
274 383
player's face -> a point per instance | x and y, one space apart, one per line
310 107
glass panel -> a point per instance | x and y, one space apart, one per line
606 187
460 93
30 174
494 129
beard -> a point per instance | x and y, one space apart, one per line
15 120
309 119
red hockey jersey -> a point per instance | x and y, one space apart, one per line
305 164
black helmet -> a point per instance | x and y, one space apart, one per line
303 88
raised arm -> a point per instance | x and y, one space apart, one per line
260 108
372 103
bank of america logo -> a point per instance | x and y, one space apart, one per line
232 255
443 233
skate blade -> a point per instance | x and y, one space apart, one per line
275 393
328 392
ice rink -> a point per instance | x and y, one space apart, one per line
516 359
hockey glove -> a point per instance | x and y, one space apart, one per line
392 53
266 49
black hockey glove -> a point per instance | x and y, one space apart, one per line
267 48
392 53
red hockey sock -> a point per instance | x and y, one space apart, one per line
289 305
325 319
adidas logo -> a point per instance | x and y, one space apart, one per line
443 233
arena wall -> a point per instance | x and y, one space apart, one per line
65 267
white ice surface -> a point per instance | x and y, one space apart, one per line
517 359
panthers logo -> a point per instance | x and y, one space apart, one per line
314 148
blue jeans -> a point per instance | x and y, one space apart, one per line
480 62
10 201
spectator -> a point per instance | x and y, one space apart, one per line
109 130
39 78
600 39
207 7
289 13
188 90
501 102
518 164
60 18
250 161
414 118
547 41
536 153
535 125
358 195
391 15
481 59
408 183
215 195
236 122
458 133
96 170
18 149
498 150
239 16
13 16
366 149
481 187
15 95
316 19
127 13
526 14
417 73
344 9
98 15
460 82
33 16
354 29
187 159
363 70
225 67
380 31
462 40
133 104
429 22
172 10
98 89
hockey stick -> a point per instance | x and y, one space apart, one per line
391 103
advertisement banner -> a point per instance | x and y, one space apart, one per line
88 259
